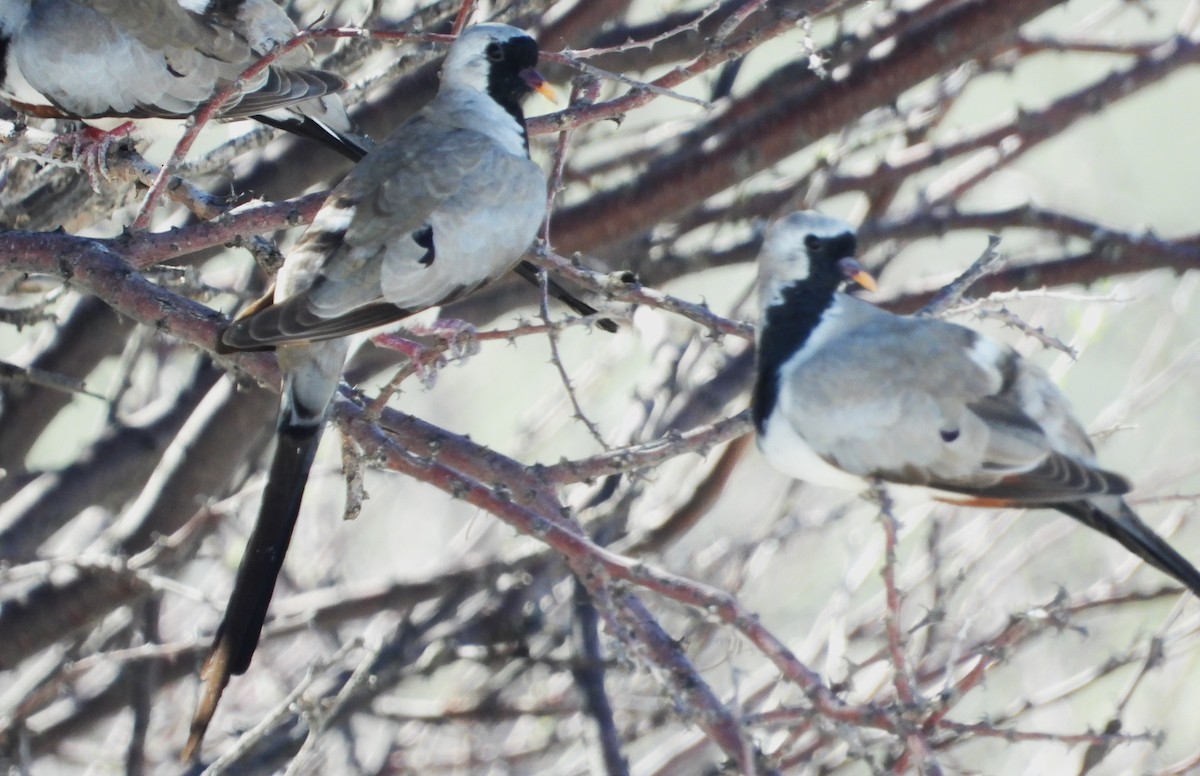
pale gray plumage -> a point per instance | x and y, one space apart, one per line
459 168
90 59
847 392
448 202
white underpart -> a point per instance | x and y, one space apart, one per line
15 85
780 442
788 452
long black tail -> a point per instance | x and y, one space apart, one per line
237 637
348 145
1121 523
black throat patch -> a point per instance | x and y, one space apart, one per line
505 84
4 40
786 327
788 323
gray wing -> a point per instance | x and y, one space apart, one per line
163 24
926 402
154 59
432 214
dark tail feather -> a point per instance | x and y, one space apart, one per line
237 637
349 146
268 543
530 272
1127 528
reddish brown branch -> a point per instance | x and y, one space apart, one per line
790 122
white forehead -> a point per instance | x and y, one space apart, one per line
785 239
796 226
471 44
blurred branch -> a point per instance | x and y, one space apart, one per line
789 122
869 651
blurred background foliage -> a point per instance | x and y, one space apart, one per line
1035 646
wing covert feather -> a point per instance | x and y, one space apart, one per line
360 259
972 423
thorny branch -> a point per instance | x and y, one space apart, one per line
675 158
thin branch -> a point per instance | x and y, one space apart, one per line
987 263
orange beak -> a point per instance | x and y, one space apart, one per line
539 85
858 273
